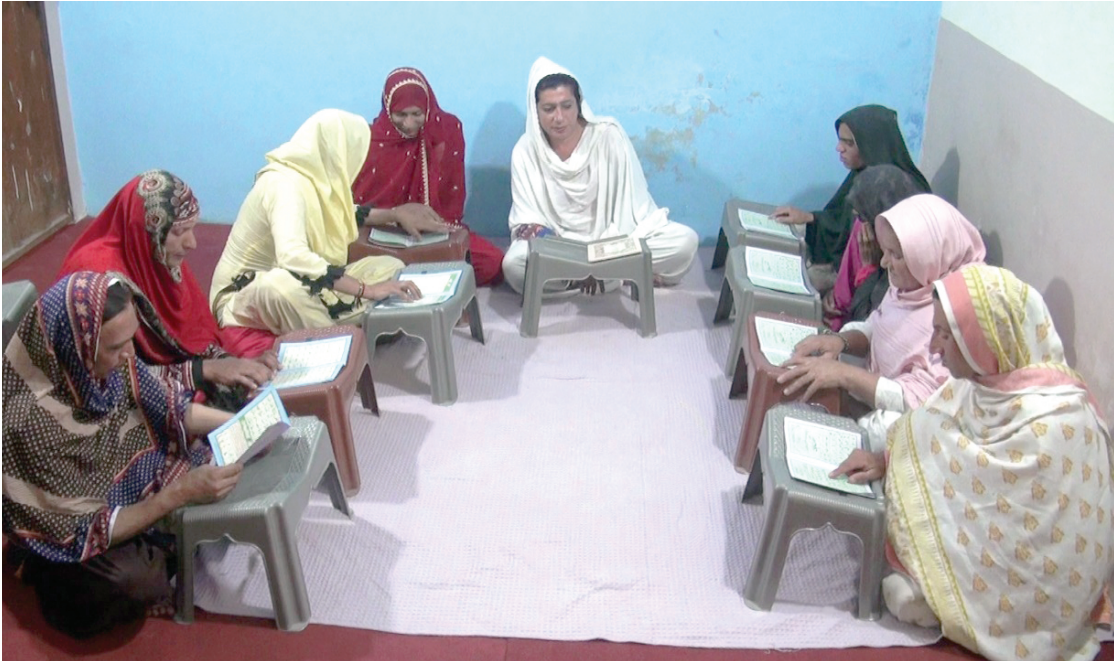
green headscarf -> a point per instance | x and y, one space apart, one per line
879 140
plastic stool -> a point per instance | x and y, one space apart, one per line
738 293
792 506
19 297
453 250
765 392
732 233
553 258
331 401
434 324
264 510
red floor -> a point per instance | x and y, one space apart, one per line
217 637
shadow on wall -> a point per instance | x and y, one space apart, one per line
489 183
945 182
1061 304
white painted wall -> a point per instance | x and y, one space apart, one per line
1066 44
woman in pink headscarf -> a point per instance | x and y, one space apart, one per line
923 239
414 173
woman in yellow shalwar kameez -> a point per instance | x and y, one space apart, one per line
285 264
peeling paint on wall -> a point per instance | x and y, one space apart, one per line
657 146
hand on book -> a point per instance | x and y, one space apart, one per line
416 218
207 484
812 374
822 346
861 466
787 215
403 289
247 372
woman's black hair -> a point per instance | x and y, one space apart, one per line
117 297
878 188
555 80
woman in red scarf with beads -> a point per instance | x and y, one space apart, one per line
143 235
414 173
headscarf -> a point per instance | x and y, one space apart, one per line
128 238
326 154
603 172
428 168
879 141
859 288
1000 500
76 447
935 240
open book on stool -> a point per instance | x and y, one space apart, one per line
814 450
250 431
391 238
620 246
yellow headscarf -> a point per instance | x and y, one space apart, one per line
328 151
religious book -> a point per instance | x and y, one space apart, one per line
312 361
776 270
813 450
620 246
436 287
760 222
391 238
777 339
250 431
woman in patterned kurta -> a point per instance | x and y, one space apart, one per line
1000 501
96 450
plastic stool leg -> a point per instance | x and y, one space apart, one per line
765 572
720 256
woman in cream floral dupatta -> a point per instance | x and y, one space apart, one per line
1000 502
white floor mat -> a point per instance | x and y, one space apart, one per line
580 488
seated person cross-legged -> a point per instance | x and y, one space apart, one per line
98 449
144 235
575 175
867 135
923 239
998 488
285 267
414 172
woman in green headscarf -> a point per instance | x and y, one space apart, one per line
868 135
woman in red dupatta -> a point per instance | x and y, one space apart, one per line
144 234
416 157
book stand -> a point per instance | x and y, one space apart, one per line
264 510
793 506
765 393
453 250
738 293
553 258
330 401
434 324
732 233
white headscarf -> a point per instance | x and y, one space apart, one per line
603 175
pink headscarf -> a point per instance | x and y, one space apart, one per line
936 240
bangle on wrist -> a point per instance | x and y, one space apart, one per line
360 292
828 331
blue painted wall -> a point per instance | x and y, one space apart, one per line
720 99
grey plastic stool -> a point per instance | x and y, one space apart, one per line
18 299
732 233
553 258
792 506
264 510
738 293
434 324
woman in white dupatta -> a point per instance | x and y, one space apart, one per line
1000 503
576 175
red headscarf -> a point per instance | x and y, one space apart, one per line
128 238
428 168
